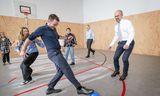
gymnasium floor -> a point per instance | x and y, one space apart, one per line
143 79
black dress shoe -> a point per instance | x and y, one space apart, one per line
85 91
115 73
87 56
93 52
72 63
50 91
123 77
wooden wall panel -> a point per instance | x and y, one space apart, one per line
11 26
147 31
146 27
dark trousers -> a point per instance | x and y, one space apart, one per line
89 44
25 66
5 57
62 68
126 54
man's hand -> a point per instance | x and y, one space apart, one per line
126 46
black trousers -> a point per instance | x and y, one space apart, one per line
62 68
25 66
126 54
6 57
89 44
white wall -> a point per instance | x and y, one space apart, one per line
95 10
67 10
82 11
6 7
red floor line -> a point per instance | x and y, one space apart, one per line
16 77
124 88
123 82
98 65
32 89
83 71
12 79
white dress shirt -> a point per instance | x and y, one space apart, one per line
124 31
90 34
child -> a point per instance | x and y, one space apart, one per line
69 43
5 48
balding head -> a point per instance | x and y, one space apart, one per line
118 15
119 12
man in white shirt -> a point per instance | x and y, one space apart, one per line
90 40
124 35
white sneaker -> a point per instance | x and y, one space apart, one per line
27 82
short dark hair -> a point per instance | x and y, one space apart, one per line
120 11
68 29
53 16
